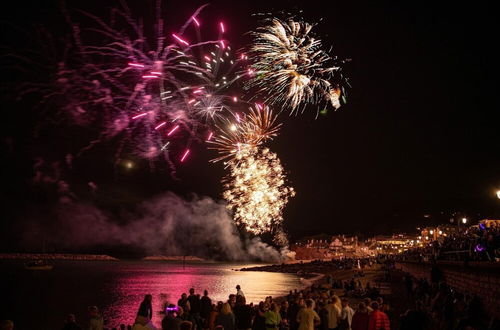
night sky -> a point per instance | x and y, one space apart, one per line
419 135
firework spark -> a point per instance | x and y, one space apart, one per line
257 127
256 191
291 69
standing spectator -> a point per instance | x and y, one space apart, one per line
360 318
194 301
285 322
323 316
96 321
259 322
238 291
368 304
378 320
195 304
146 308
184 303
334 309
232 300
273 317
225 318
243 314
213 315
205 308
293 310
172 321
346 315
307 317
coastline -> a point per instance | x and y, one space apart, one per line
56 256
310 273
91 257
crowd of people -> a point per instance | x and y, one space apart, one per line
334 305
437 306
477 243
314 308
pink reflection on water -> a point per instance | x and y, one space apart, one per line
166 282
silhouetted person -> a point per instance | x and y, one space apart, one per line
238 291
172 321
96 320
71 323
146 308
184 303
225 317
243 314
378 320
307 317
194 301
360 318
205 308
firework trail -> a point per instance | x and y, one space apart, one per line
255 188
153 93
291 69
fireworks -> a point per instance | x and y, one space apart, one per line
158 93
255 189
291 69
145 87
241 134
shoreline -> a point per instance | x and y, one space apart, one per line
92 257
57 256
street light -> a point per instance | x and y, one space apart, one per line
464 220
498 194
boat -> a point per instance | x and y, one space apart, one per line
40 264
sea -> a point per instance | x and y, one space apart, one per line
43 299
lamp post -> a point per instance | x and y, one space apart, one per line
498 194
463 220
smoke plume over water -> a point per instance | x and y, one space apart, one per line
166 224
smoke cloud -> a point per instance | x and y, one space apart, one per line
166 224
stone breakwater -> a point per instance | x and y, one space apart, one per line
172 258
55 256
297 269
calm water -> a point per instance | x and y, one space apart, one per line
41 300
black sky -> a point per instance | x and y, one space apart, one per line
419 135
